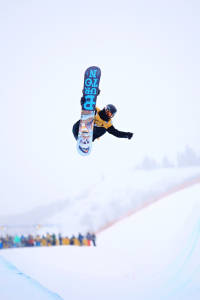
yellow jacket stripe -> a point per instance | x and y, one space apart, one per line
99 122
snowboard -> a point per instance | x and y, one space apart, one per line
90 92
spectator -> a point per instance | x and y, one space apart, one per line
48 239
86 242
80 238
72 240
60 239
37 241
17 241
93 238
53 239
44 241
89 238
76 242
30 241
66 241
23 241
9 241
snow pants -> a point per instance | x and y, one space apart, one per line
97 131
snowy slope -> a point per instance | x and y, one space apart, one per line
153 254
100 200
116 195
16 285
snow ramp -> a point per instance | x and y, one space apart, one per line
151 255
159 248
14 284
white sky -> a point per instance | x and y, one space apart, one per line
148 52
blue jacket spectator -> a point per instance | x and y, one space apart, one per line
80 238
89 236
53 239
60 239
93 238
72 240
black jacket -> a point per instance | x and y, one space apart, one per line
112 130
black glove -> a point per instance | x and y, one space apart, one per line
98 92
129 135
82 100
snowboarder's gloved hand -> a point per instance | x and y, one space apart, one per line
129 135
82 100
98 92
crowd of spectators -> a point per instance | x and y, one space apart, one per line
46 240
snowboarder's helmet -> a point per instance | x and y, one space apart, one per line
112 109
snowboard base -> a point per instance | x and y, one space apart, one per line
90 92
84 142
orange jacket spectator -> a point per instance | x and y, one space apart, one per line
65 241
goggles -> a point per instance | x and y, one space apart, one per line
109 114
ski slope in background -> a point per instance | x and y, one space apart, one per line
153 254
94 205
116 195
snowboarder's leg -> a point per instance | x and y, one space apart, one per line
75 129
98 131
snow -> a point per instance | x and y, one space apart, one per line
153 254
16 285
101 200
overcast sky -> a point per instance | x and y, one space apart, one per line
148 52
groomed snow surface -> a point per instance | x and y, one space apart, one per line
153 254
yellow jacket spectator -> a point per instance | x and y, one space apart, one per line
65 241
85 242
76 242
44 241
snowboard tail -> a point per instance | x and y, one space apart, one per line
90 92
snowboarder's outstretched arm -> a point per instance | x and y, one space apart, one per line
120 134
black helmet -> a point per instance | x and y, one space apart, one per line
111 108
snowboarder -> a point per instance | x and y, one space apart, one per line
103 123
